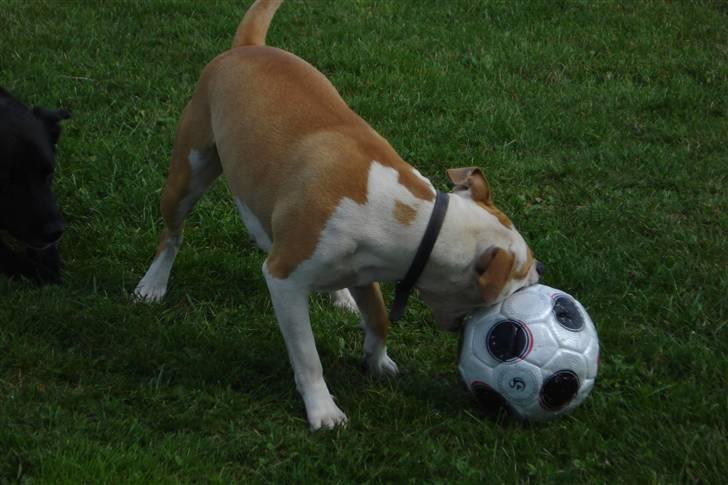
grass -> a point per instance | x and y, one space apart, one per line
602 128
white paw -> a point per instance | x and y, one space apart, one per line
381 364
343 299
149 293
323 413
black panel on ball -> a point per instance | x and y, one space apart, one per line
507 340
558 390
489 400
568 314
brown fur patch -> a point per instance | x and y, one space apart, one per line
502 218
472 179
404 213
371 303
162 243
496 265
459 176
523 272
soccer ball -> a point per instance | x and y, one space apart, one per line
534 355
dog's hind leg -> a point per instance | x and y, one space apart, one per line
343 299
195 166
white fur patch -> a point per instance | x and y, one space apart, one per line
424 179
153 286
253 225
343 299
204 167
361 243
197 160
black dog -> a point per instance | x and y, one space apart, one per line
30 221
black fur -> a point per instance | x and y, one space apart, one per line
30 221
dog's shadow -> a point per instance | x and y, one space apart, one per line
222 336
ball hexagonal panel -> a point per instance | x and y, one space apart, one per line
544 346
577 341
519 382
591 354
527 305
565 360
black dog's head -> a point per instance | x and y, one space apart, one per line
30 221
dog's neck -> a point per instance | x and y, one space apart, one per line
422 254
455 247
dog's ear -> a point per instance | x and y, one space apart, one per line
494 268
51 115
51 119
472 179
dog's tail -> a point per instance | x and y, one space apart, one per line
254 26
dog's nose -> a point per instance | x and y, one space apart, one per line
540 268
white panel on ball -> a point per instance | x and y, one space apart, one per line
518 382
544 344
527 306
566 359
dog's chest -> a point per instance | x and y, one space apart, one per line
374 240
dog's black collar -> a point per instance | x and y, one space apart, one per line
17 246
404 286
14 244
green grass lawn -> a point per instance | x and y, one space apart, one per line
602 128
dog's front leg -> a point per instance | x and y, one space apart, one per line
290 302
375 322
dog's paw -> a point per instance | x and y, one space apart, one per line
148 293
323 413
380 364
343 299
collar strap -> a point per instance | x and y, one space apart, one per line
18 246
404 286
14 244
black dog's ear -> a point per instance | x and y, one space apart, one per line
51 118
51 115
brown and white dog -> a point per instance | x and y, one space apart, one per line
331 203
